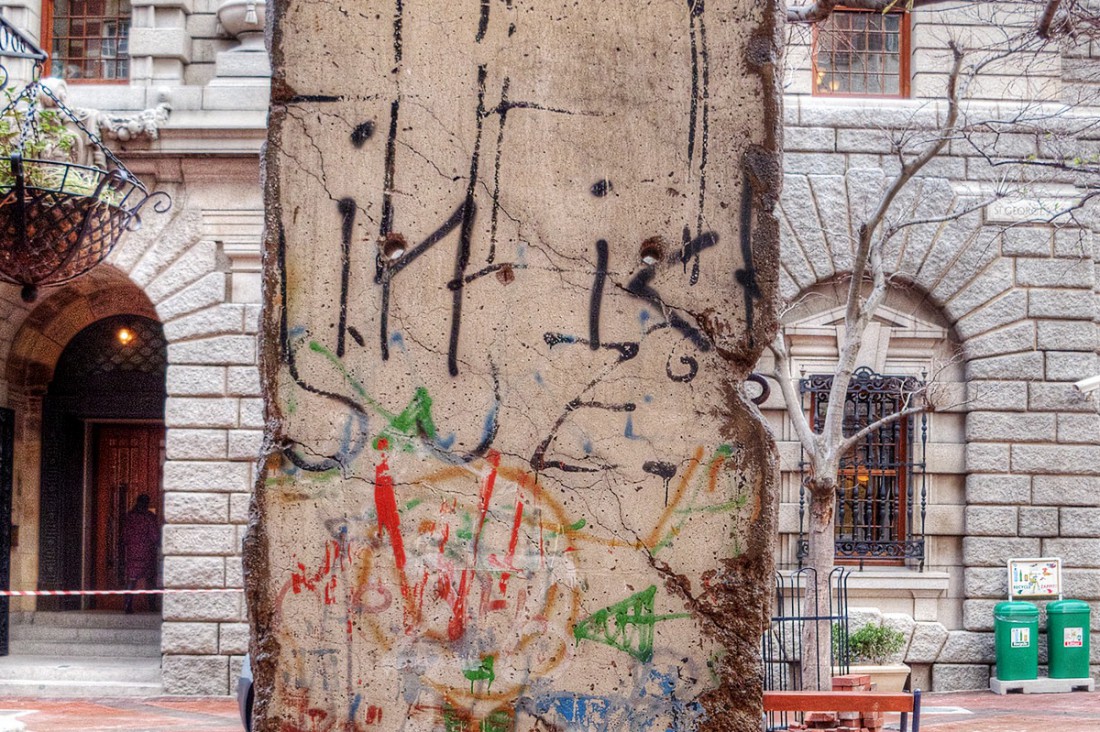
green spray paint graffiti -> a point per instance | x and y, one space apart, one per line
626 625
482 672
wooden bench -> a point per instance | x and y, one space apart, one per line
867 702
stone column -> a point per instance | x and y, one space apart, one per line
520 258
159 43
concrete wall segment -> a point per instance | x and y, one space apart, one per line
489 432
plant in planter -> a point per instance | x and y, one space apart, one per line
870 648
874 644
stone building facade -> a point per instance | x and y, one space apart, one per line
996 309
998 305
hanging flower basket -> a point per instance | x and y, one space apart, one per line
58 219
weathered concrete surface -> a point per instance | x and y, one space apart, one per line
520 259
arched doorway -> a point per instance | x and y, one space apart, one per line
102 447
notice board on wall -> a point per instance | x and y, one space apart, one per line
1034 578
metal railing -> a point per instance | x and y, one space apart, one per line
783 650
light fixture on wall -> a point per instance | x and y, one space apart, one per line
125 336
58 218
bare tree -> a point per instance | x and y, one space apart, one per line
825 444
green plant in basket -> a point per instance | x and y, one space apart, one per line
46 146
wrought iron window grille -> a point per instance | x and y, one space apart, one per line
58 219
880 513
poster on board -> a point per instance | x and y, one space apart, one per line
1034 578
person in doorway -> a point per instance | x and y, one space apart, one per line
140 534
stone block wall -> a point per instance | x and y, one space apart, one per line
1019 297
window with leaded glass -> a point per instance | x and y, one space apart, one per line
862 53
88 39
876 492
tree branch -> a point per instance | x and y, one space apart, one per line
781 370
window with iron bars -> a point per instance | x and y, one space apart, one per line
862 53
880 509
89 40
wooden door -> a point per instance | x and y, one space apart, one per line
127 464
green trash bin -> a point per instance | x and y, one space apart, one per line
1068 639
1016 634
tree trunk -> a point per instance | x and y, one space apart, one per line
817 634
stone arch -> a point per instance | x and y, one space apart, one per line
35 350
956 263
65 312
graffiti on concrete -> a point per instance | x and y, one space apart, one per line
514 481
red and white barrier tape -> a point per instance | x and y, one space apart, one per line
31 593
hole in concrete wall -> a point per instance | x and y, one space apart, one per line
652 251
393 247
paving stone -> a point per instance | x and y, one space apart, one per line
985 582
200 412
1011 427
195 380
1055 273
1064 490
190 444
1069 459
233 638
1080 522
1074 552
1062 335
206 475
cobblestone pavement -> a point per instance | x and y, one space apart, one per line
988 712
958 712
182 714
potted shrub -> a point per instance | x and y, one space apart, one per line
871 649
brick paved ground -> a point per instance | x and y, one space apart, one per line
984 712
182 714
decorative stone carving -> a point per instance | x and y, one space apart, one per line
244 20
122 127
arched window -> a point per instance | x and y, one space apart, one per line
88 40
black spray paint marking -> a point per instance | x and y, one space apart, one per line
502 118
538 458
398 19
299 98
765 388
362 133
662 470
746 277
693 369
500 267
386 271
601 188
639 287
483 21
462 256
347 452
346 207
596 301
627 349
506 105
